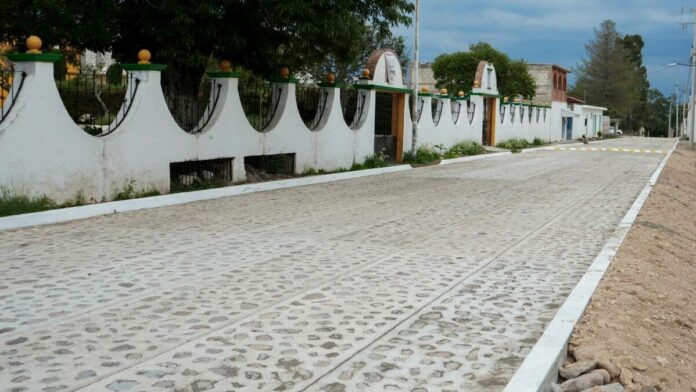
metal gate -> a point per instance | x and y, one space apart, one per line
385 141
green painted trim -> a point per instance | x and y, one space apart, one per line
223 74
484 94
34 57
289 79
333 85
464 98
387 89
144 67
426 94
445 96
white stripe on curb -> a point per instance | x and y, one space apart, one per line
92 210
540 368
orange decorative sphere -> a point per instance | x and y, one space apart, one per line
225 65
476 83
506 99
366 73
425 89
34 44
144 56
443 91
284 72
331 78
461 93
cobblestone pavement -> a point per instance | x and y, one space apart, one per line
437 279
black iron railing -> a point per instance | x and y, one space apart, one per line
10 88
311 103
522 108
456 110
437 108
513 107
501 110
260 100
471 111
192 111
96 101
349 104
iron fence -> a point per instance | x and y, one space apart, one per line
259 102
350 101
471 110
97 102
436 109
10 88
501 110
456 107
192 112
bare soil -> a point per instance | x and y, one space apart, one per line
642 317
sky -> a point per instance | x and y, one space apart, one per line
556 31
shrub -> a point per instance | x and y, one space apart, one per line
129 192
538 142
515 145
114 74
372 162
12 203
422 156
464 149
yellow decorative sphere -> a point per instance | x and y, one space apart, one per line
225 65
331 78
144 56
34 44
476 83
443 91
461 93
284 72
425 89
366 73
506 99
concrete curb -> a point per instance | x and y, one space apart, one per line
474 158
92 210
540 368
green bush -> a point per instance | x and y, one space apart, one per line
538 142
114 74
422 156
12 203
129 192
464 149
515 145
372 162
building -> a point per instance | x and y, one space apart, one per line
551 82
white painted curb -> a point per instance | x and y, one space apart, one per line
474 158
540 368
92 210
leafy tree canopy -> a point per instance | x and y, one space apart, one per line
259 35
456 71
609 75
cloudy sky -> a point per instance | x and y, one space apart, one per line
555 31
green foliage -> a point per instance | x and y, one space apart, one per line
422 156
464 149
372 162
658 113
538 142
515 145
114 74
12 203
456 71
129 191
317 172
610 76
92 130
600 134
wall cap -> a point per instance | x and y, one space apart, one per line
34 57
144 67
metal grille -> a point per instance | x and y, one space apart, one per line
193 112
436 105
522 114
471 111
260 101
189 172
502 112
271 164
97 102
11 84
311 103
456 107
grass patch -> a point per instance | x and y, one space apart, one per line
464 149
15 204
318 172
422 156
371 162
516 145
427 155
129 192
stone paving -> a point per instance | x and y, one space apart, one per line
441 278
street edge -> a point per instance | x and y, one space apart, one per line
540 368
474 158
112 207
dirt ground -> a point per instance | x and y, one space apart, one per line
643 315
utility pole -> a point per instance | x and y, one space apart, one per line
692 63
676 107
416 68
669 119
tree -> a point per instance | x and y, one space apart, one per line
456 71
607 76
657 120
259 35
351 65
638 114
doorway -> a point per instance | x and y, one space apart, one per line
488 126
389 125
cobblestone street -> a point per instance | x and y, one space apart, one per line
435 279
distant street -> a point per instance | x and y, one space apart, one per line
440 278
